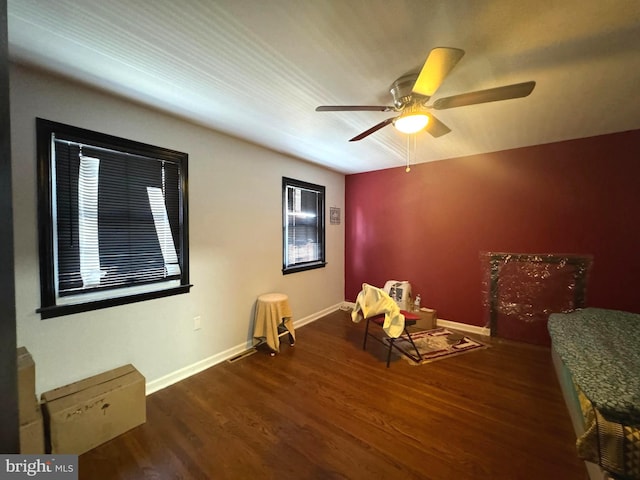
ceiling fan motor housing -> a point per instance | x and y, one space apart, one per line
401 91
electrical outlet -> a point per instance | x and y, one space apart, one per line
197 325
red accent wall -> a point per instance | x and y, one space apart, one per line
431 225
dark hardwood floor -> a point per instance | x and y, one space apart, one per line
326 409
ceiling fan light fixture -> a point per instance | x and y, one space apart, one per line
411 123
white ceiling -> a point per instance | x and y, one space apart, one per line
257 69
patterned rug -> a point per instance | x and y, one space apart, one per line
437 344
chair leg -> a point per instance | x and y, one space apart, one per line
389 351
418 355
366 332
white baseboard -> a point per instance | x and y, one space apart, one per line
186 372
183 373
464 327
315 316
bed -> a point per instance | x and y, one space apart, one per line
596 354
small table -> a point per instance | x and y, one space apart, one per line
273 319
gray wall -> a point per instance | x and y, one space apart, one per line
235 244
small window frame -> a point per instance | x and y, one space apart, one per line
320 261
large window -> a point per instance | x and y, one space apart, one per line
303 225
112 220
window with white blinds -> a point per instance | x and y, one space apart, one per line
113 220
303 225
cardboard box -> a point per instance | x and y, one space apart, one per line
85 414
428 318
32 434
27 400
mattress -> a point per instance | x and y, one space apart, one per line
601 351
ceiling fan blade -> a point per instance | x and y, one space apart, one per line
354 108
517 90
439 63
436 128
373 129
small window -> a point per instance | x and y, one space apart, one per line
113 220
303 225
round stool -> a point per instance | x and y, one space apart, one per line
273 319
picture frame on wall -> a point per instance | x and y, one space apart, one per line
334 215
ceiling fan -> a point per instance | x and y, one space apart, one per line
412 91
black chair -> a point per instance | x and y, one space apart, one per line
409 320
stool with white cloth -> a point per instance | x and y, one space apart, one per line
374 305
273 319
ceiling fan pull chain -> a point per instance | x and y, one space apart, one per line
415 147
408 169
415 140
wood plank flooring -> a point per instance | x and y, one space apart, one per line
326 409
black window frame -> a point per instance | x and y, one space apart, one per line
320 215
46 131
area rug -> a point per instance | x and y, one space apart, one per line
437 344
